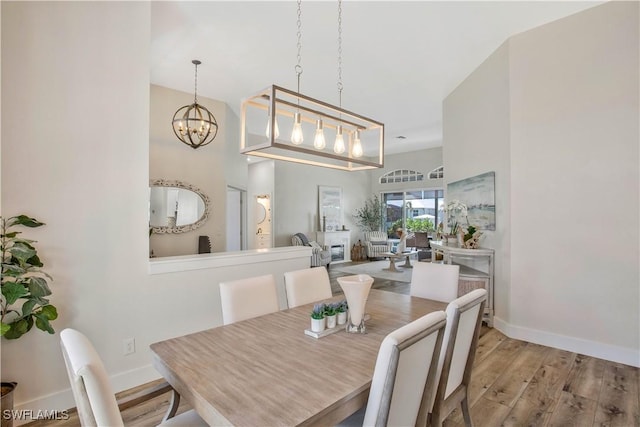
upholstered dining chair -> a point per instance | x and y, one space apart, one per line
247 298
464 318
404 375
94 397
435 281
307 285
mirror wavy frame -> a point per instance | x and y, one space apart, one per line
185 186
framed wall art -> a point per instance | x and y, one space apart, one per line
330 208
478 193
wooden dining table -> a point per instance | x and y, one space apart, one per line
266 372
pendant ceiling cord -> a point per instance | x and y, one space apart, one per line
340 53
299 56
195 90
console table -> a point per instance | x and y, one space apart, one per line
470 278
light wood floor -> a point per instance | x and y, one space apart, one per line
514 383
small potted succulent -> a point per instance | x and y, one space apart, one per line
342 312
317 318
330 311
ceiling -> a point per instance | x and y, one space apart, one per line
399 59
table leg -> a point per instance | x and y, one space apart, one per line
392 265
407 262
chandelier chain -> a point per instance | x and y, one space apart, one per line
340 86
195 90
299 44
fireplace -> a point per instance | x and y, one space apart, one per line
337 242
337 252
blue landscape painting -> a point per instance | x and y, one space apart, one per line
478 193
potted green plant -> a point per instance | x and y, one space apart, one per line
342 312
317 318
23 283
369 217
330 311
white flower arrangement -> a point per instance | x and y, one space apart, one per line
455 210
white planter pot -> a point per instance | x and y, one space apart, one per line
317 325
331 321
342 318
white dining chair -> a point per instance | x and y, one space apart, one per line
306 286
247 298
434 281
405 370
95 401
464 318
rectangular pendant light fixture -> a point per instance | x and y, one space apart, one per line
285 125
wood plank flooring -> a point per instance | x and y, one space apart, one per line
514 383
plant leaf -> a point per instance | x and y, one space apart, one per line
27 307
4 328
24 220
39 287
18 328
42 323
12 270
21 252
50 312
12 291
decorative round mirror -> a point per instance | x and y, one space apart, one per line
261 214
176 207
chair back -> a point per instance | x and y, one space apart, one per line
464 318
306 286
435 281
405 370
95 400
376 236
247 298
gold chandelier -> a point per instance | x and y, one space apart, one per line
193 124
279 124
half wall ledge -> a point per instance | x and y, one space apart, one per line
175 264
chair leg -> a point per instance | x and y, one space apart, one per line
465 412
173 406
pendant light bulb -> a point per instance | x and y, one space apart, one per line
338 146
296 135
319 142
276 130
356 151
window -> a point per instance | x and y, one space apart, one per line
437 173
401 175
413 209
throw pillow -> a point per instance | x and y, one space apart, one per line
304 239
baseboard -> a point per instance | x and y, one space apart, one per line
627 356
63 400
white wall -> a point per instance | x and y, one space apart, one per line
209 167
572 119
574 115
83 72
88 180
295 203
476 140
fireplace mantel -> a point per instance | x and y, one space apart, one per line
334 239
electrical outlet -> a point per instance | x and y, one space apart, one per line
129 346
